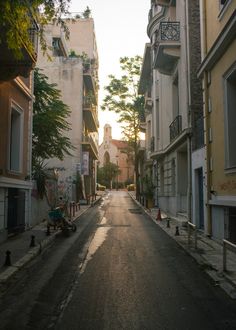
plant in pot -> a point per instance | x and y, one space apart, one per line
148 190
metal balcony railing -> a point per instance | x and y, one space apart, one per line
175 128
169 31
88 139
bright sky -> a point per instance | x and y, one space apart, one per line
120 28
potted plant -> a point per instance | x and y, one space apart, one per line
148 191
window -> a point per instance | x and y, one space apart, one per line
16 131
230 118
223 4
57 47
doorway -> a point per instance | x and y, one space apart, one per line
16 210
199 198
232 224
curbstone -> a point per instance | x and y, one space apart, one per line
33 252
226 283
7 274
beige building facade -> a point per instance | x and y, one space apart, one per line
218 73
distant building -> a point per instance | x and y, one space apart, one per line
115 151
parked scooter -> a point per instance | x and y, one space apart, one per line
58 220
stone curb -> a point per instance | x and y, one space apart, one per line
30 255
218 277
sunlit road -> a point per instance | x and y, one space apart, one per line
121 271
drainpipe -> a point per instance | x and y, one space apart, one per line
206 116
188 106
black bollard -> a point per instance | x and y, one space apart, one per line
167 223
32 243
48 231
8 258
177 231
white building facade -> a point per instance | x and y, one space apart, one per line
176 106
74 68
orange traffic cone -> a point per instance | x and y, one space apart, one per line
159 215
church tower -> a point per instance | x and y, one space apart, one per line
107 135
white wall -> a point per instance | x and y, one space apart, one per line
218 222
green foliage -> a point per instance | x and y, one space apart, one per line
17 16
73 54
107 173
87 13
122 98
49 121
40 176
147 186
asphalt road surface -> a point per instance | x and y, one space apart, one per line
118 271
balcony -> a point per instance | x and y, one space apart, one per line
89 80
141 148
175 128
90 115
10 65
88 144
167 47
148 104
166 3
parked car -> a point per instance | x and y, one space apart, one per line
131 187
101 187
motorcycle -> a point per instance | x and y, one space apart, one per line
58 220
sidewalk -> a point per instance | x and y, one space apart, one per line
208 253
19 245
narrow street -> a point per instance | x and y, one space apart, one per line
118 271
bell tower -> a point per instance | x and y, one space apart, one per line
107 135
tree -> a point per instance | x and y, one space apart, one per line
87 13
16 20
49 127
49 121
122 98
108 173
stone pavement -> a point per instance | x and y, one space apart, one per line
19 245
208 253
